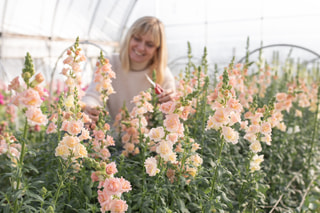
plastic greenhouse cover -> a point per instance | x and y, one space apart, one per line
45 28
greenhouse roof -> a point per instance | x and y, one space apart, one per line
45 28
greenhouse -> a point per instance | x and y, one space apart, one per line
159 106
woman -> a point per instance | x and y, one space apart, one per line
142 51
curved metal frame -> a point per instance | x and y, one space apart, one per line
283 45
174 61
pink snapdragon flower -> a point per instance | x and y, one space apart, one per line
104 200
112 186
74 127
30 97
1 99
102 77
118 206
167 107
172 122
15 85
99 135
111 168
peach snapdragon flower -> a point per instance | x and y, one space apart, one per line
218 119
85 135
30 97
70 146
103 76
74 127
112 186
142 105
156 134
69 102
265 128
172 123
195 160
118 206
255 147
227 109
164 148
255 162
167 107
15 85
101 143
230 135
111 168
134 122
109 196
72 68
35 116
151 166
9 147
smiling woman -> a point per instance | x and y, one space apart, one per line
142 51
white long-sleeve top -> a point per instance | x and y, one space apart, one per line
126 85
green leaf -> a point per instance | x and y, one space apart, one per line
35 196
6 209
226 200
32 167
193 207
313 206
87 189
182 206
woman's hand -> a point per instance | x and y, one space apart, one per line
166 95
93 113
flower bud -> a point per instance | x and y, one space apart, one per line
39 78
26 76
103 166
50 210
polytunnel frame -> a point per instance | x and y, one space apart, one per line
50 38
175 62
284 45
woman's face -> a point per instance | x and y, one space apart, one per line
142 48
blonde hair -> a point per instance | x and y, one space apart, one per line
147 24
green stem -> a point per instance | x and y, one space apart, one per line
56 196
157 195
314 130
241 197
61 178
203 110
20 162
213 182
144 151
59 124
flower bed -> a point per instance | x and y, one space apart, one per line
239 142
